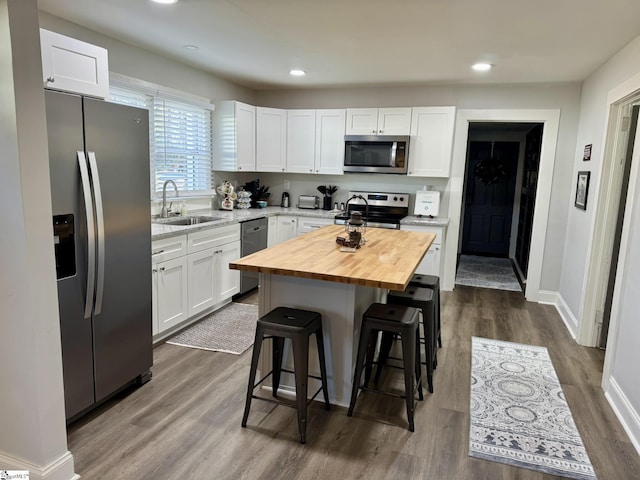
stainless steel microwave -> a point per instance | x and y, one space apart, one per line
376 153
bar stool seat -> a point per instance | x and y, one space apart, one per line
421 298
432 282
391 320
297 325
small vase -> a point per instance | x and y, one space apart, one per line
326 205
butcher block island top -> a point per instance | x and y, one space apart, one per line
387 260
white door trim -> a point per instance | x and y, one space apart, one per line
596 276
551 120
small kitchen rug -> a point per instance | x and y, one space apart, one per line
231 329
487 272
519 415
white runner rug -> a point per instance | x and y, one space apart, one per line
519 415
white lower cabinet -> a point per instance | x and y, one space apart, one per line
272 231
169 282
210 280
202 292
431 263
191 274
306 225
227 281
287 228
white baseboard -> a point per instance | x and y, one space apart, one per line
60 469
570 321
547 297
622 407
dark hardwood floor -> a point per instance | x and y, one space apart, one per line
185 423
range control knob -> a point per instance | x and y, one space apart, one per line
395 199
402 199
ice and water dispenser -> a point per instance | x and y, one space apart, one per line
64 244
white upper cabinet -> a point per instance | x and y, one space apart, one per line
330 128
301 141
271 139
74 66
362 121
431 141
378 121
235 137
315 141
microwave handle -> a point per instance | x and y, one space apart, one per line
394 148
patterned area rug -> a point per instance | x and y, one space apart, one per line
519 415
487 272
230 330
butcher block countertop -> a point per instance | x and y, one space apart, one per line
387 260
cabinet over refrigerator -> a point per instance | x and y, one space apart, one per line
99 166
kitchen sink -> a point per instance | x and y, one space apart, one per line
188 220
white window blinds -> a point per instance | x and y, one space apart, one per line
180 138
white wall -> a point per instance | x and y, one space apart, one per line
565 97
623 349
32 420
143 64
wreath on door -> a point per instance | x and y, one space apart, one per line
490 170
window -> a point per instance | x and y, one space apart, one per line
180 135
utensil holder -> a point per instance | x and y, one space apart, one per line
326 203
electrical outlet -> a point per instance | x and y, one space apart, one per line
287 185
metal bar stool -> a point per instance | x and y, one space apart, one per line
432 282
297 325
391 320
421 298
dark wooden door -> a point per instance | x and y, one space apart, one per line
490 189
532 149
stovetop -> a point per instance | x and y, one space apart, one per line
378 209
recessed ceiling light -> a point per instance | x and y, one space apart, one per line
166 2
482 67
297 73
191 47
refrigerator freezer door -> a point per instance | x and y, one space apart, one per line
117 138
65 132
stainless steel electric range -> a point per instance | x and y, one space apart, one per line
379 209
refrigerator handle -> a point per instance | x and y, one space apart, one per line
97 193
91 243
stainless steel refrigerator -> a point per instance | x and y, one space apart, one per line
99 163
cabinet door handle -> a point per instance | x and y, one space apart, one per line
155 270
158 252
162 269
51 79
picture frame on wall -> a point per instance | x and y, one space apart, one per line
582 190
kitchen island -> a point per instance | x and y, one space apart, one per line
310 272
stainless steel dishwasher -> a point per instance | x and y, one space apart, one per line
254 238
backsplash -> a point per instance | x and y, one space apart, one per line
302 184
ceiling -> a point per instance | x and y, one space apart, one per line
340 43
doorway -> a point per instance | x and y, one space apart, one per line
489 197
598 320
498 203
632 125
550 118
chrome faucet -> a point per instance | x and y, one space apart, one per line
164 213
